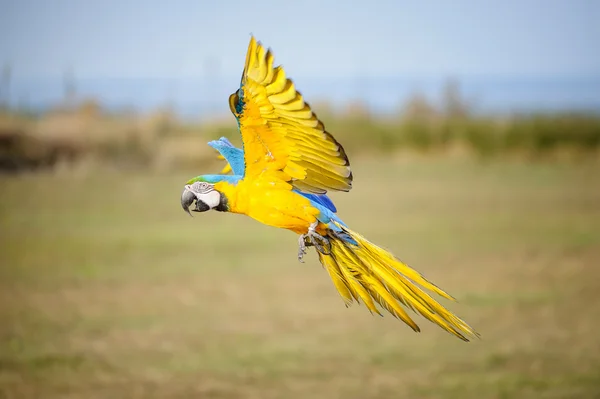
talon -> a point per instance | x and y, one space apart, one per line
320 243
306 240
326 249
301 248
313 239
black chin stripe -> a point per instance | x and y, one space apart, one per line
201 206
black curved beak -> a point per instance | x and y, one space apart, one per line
187 198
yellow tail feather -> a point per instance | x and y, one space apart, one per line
369 273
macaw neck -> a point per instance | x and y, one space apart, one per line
231 194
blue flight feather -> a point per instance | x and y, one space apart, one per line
233 155
321 199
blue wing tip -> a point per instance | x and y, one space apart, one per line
226 141
222 142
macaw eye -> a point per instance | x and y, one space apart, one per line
201 187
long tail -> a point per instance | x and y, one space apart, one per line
360 270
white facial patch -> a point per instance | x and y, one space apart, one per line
211 198
206 193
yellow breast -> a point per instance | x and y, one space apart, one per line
271 203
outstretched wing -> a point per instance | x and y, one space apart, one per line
282 136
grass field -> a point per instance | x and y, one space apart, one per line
109 290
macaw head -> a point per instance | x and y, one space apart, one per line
202 190
205 195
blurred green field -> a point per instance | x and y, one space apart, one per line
109 290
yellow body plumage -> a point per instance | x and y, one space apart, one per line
271 203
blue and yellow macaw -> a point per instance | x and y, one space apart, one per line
288 163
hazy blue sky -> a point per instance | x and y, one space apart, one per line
146 38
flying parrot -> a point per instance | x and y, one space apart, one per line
281 177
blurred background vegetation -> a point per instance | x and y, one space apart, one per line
76 133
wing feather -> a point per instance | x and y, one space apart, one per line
282 136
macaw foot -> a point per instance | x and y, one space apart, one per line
312 239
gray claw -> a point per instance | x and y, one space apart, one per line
301 248
313 239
